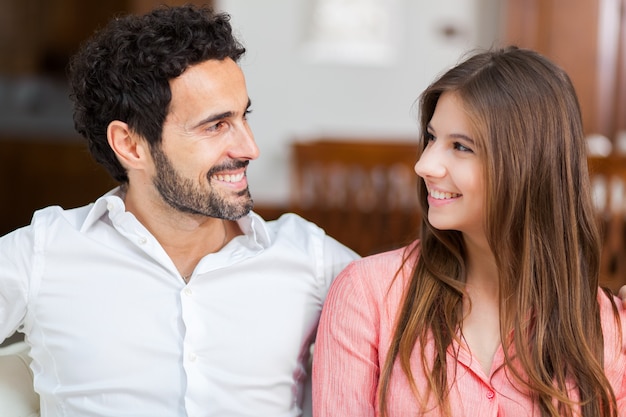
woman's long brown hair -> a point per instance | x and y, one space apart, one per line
541 227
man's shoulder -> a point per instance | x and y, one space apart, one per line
295 231
292 221
47 226
287 226
298 233
79 217
53 214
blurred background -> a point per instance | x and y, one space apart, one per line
317 70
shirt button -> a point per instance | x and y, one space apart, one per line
142 240
188 291
110 206
192 357
490 395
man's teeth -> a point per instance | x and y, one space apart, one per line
439 195
229 178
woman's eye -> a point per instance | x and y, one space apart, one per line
460 147
429 137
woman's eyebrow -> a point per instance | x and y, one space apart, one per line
462 136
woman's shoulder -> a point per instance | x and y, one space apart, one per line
391 260
377 273
611 308
613 318
372 286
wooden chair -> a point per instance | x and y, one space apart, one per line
362 192
608 178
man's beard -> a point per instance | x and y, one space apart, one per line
184 195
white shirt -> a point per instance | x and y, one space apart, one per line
114 331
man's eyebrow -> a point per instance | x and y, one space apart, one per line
214 117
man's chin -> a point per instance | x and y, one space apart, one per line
236 212
234 216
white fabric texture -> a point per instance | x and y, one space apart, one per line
113 329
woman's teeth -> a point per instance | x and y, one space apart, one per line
439 195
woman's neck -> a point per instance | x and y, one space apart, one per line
481 308
482 271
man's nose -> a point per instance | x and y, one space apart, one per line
245 145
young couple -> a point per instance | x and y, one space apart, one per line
168 296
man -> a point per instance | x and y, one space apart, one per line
167 296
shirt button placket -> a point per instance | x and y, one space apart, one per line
188 293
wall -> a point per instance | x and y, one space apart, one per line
293 97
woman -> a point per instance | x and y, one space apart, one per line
496 309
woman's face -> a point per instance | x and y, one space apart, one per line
452 171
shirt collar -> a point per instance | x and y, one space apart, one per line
252 225
109 202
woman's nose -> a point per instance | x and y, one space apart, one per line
430 164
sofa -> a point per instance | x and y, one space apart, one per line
17 397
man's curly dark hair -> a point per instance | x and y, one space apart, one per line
123 72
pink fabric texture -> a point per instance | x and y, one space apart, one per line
355 332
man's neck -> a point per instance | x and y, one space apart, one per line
185 237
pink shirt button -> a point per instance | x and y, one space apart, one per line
490 395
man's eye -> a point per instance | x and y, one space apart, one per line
215 127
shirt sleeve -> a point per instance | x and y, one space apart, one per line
16 258
336 257
345 364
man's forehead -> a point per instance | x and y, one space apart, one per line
210 83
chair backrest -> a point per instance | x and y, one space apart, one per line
362 192
608 180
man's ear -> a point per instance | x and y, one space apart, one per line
130 148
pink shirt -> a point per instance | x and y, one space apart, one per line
356 329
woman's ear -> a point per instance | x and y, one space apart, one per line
129 147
